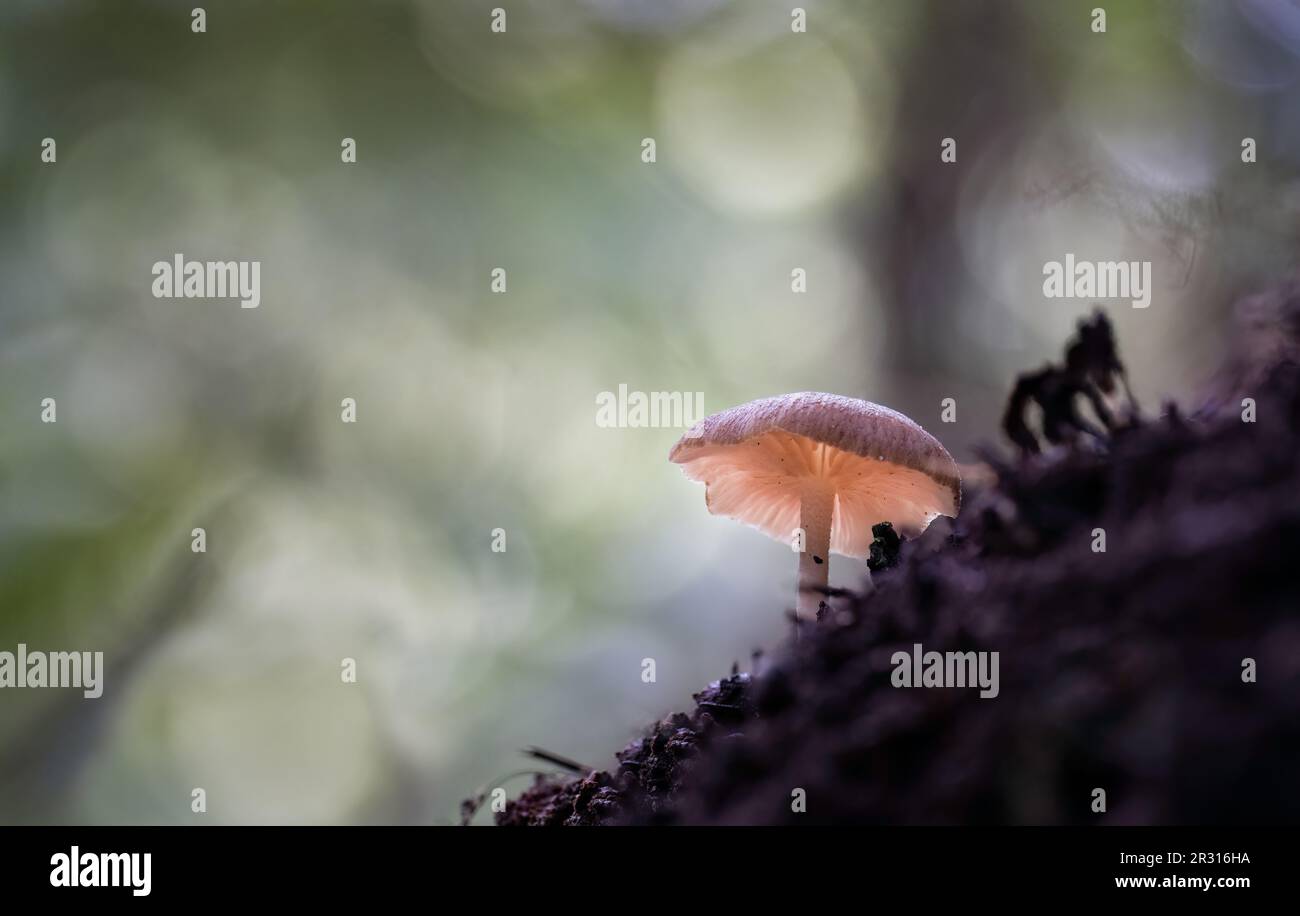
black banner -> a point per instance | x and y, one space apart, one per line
334 865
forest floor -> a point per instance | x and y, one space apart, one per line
1164 670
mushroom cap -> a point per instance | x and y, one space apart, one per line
755 461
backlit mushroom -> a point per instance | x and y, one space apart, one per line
826 465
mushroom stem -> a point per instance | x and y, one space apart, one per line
817 505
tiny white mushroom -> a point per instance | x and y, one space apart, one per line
829 465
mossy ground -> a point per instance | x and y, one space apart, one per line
1120 670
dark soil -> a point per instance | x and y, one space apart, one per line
1120 670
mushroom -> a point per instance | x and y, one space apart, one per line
824 465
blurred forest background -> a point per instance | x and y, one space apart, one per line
477 410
